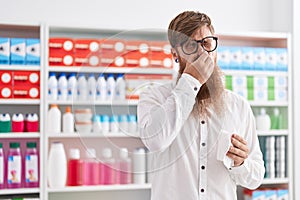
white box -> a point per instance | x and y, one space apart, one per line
259 58
280 82
223 57
260 94
260 82
247 58
235 58
243 92
239 81
282 194
271 59
281 94
282 59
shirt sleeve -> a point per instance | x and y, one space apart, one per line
251 173
162 116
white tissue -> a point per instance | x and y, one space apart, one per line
224 143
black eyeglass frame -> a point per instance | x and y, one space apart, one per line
201 41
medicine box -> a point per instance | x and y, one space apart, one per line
271 59
160 54
33 53
282 59
235 58
17 51
87 52
137 53
112 52
259 58
247 58
4 51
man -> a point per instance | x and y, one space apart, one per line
202 137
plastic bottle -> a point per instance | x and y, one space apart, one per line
139 166
120 88
97 128
132 125
57 166
101 88
114 125
123 123
31 166
54 119
263 121
72 87
31 122
17 122
5 123
91 87
111 86
14 166
107 168
2 169
82 88
90 168
276 119
105 124
74 177
68 121
62 87
123 166
52 87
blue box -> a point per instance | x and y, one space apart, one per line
33 53
223 57
271 59
4 51
282 59
247 58
17 51
259 58
282 194
235 58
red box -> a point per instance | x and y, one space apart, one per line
87 52
160 54
112 53
29 78
6 78
61 51
137 53
6 92
26 92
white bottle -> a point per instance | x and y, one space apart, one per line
52 87
123 166
68 121
139 166
120 88
111 86
54 119
132 125
263 121
123 123
105 124
82 88
101 88
114 125
91 87
72 87
57 166
97 128
62 87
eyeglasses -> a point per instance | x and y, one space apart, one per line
208 43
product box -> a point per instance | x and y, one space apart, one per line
26 78
228 82
260 94
281 94
282 194
61 52
4 51
280 82
271 194
254 194
17 51
26 92
87 52
33 52
160 54
247 58
112 53
137 53
271 59
6 78
282 59
235 58
239 81
136 83
223 57
259 58
260 82
241 91
6 92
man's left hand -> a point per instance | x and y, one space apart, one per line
239 151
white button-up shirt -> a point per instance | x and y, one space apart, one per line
188 150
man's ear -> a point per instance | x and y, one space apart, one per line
174 53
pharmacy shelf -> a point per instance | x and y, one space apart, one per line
19 191
254 73
269 103
280 132
271 181
101 188
119 70
20 101
90 135
19 135
97 102
20 67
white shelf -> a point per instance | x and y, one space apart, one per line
269 103
273 132
20 135
119 70
20 67
89 135
271 181
20 101
101 188
254 73
96 102
19 191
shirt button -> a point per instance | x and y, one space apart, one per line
195 88
202 122
203 167
202 190
203 144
